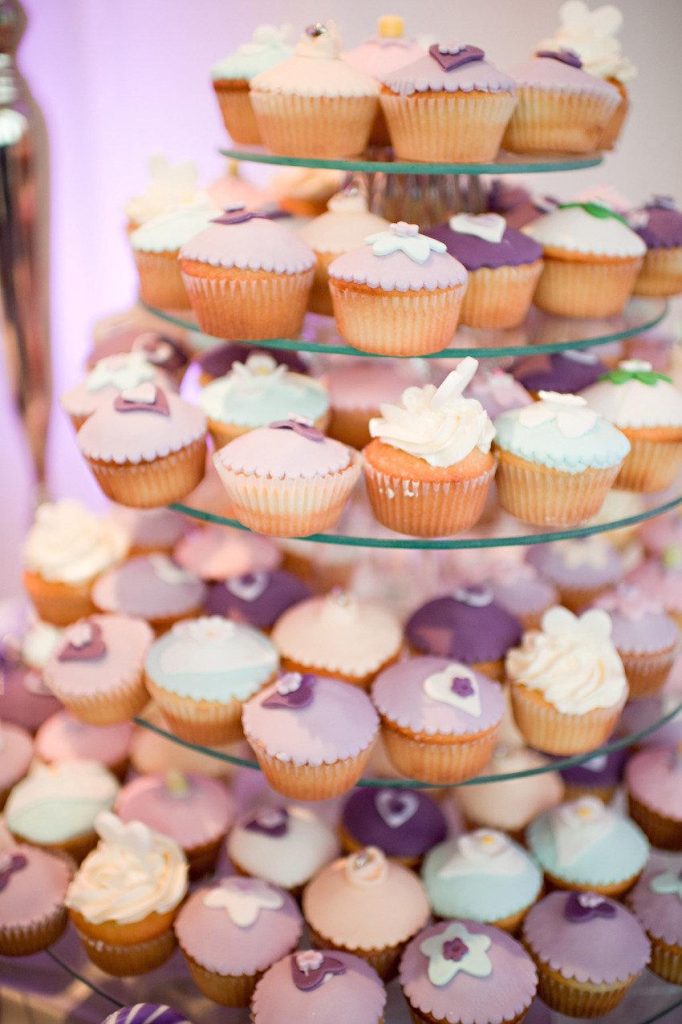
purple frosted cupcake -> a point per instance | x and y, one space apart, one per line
439 718
146 1013
503 265
580 569
588 950
231 932
657 902
645 637
600 776
463 972
659 225
564 372
497 391
404 823
257 598
466 626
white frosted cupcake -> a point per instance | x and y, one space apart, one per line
156 245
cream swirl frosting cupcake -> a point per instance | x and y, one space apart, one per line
125 895
568 682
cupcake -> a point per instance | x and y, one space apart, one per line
147 448
366 905
201 671
463 971
645 637
600 776
314 104
581 569
503 267
439 718
429 466
257 392
659 225
63 738
169 186
247 277
219 359
588 951
510 804
151 587
286 846
65 551
521 591
568 686
319 986
404 823
97 670
565 372
356 391
561 108
591 260
483 876
16 754
586 846
157 753
194 810
136 329
496 390
55 806
557 460
338 636
399 294
647 407
163 351
468 626
304 191
231 932
287 479
125 896
24 698
653 779
343 227
33 885
662 580
151 530
312 736
107 379
156 245
450 105
257 598
232 76
656 901
217 553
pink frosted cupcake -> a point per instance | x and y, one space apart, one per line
645 637
463 972
217 553
653 779
16 754
232 932
312 736
356 392
151 531
439 718
63 738
97 671
657 903
287 479
581 570
106 380
338 636
24 698
192 809
146 448
151 587
33 886
399 294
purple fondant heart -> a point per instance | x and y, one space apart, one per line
586 906
273 823
569 57
293 691
84 642
9 864
299 427
455 950
134 401
452 57
310 969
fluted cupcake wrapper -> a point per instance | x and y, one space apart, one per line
647 671
551 731
666 960
59 603
137 958
662 832
650 465
314 126
384 961
617 120
661 273
575 998
152 484
426 1018
23 940
447 126
223 432
586 287
557 121
160 279
311 782
500 297
119 704
236 110
199 721
225 989
437 761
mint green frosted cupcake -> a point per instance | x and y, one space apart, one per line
231 77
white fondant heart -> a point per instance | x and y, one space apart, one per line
395 809
439 686
488 226
249 587
144 393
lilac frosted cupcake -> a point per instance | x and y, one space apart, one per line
312 736
600 776
439 718
653 779
231 932
404 823
466 626
24 698
63 738
645 637
588 950
107 379
16 754
463 972
319 987
522 592
497 391
257 598
657 902
151 587
217 553
659 225
565 373
33 886
503 265
580 569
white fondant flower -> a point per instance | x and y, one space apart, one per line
488 226
667 883
169 571
322 42
405 238
456 949
578 826
260 370
483 851
451 49
243 900
290 682
309 960
79 635
570 413
123 372
209 629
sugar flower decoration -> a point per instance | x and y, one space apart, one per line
570 413
453 950
243 899
405 238
121 371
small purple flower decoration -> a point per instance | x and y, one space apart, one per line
144 398
455 950
311 968
272 822
586 906
293 691
451 57
84 642
462 686
9 864
302 427
566 56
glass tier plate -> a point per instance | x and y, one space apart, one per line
506 163
539 334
